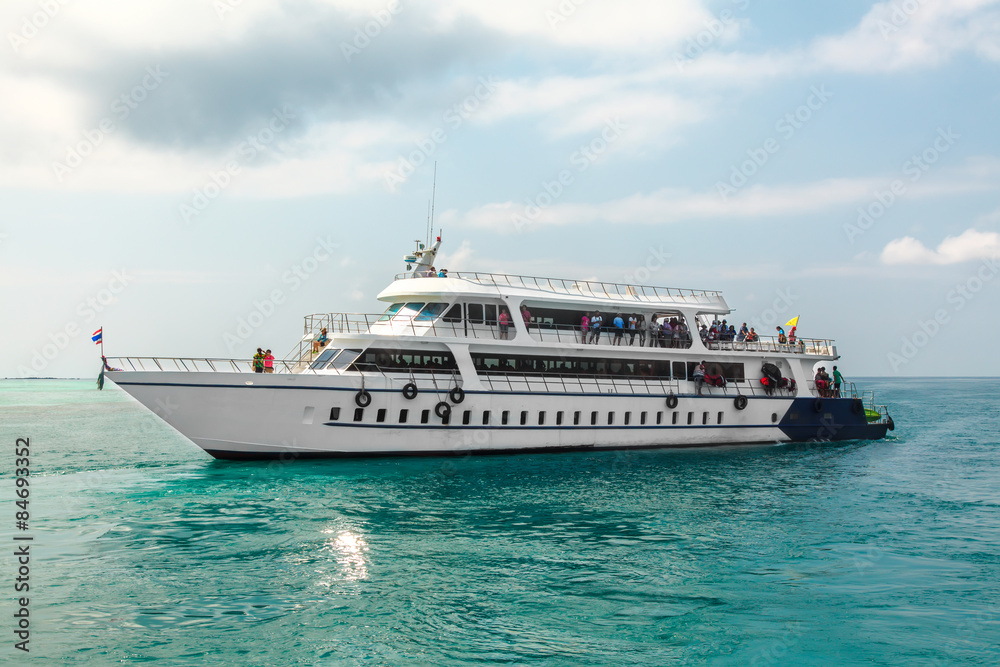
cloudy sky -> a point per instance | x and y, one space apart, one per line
196 175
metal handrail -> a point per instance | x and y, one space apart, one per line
362 323
583 287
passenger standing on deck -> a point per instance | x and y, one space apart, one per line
258 361
838 379
526 315
584 327
504 321
268 362
742 336
595 327
699 376
640 324
619 323
653 328
632 321
675 332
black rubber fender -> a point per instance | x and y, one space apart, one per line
363 399
892 424
409 391
818 405
457 395
442 409
740 402
672 401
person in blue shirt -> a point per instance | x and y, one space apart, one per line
619 329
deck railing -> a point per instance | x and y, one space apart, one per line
593 288
363 323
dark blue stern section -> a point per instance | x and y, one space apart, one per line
822 419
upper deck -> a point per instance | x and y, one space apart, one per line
556 290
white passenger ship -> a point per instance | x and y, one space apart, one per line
434 374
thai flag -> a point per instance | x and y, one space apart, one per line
97 336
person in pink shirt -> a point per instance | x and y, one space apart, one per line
584 327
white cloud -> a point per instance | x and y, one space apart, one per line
968 246
672 205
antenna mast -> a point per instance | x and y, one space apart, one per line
430 224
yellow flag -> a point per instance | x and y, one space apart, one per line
794 322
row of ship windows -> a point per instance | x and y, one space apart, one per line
505 417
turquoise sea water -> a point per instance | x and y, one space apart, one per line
855 553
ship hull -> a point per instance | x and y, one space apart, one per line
247 416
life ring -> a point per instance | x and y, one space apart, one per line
363 399
671 401
409 391
818 405
857 407
740 402
457 395
442 410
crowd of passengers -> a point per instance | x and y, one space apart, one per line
657 332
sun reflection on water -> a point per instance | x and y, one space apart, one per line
350 551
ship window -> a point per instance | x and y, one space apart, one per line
467 417
390 311
491 314
704 418
628 418
345 359
642 418
593 418
431 312
408 311
454 314
690 418
541 418
403 414
559 416
505 417
334 414
474 313
611 418
446 419
380 415
323 358
576 418
674 420
425 416
402 360
359 414
486 417
720 417
680 370
659 417
524 417
774 417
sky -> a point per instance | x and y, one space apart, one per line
194 176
